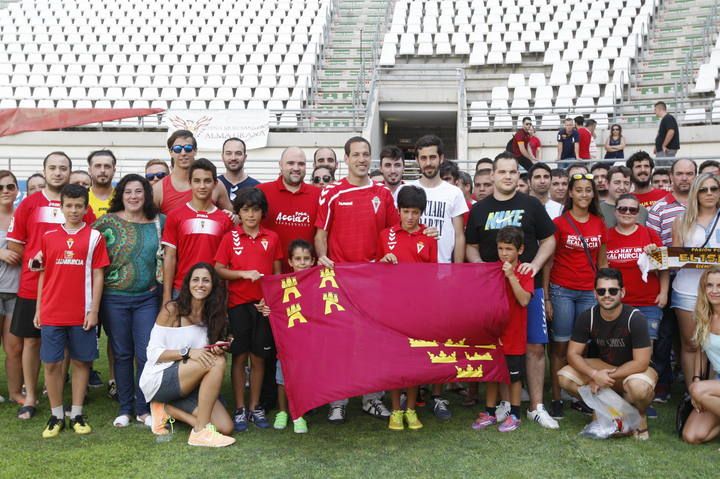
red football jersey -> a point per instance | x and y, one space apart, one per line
514 339
571 267
240 252
585 140
35 216
622 253
407 247
69 260
354 216
651 197
195 235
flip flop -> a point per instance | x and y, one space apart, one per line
30 410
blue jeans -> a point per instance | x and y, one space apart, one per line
128 321
567 305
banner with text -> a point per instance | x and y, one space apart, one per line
212 127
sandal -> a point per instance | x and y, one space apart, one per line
29 410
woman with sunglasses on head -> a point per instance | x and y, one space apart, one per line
698 227
569 275
156 170
615 143
322 176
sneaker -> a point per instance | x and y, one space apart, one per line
556 410
441 409
336 414
412 420
541 416
112 390
396 421
281 420
502 411
376 408
300 426
257 416
159 418
484 420
509 424
651 412
662 397
79 425
580 406
53 427
240 420
95 380
209 437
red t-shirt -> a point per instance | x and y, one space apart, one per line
291 215
651 197
70 259
535 145
354 216
514 339
195 235
407 247
585 140
521 136
240 252
35 216
571 268
623 252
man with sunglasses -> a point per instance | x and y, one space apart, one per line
619 334
156 170
521 145
618 185
641 166
173 191
234 156
101 166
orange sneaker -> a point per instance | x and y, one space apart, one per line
209 437
159 418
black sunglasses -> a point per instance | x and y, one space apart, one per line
633 210
603 291
180 148
324 179
704 189
9 187
152 176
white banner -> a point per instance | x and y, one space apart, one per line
212 127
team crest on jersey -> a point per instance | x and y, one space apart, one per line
202 225
264 244
70 242
376 204
237 247
54 212
420 246
392 240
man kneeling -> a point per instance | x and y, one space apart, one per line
620 336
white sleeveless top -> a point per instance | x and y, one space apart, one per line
687 280
712 351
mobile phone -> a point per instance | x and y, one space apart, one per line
219 344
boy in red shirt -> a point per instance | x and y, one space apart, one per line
247 253
407 243
514 339
69 290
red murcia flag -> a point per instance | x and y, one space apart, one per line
361 328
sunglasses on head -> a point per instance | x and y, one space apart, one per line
633 210
324 179
709 189
181 148
152 176
9 187
604 291
582 176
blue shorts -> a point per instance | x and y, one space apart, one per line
537 332
567 305
82 345
279 378
683 301
653 315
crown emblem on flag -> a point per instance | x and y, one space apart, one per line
469 372
478 357
442 357
452 344
421 343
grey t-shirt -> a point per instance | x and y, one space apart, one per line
9 275
608 214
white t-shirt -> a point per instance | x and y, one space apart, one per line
553 208
444 202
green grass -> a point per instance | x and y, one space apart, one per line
363 447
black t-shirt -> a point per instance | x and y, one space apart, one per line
489 215
614 340
668 122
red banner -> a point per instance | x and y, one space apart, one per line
19 120
362 328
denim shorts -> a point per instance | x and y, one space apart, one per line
567 305
683 301
169 391
82 345
7 304
653 315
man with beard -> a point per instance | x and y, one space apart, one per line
101 165
325 157
641 166
392 167
540 178
599 172
235 177
618 185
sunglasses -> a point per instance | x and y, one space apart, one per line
704 189
624 210
582 176
9 187
181 148
324 179
152 176
527 124
614 129
604 291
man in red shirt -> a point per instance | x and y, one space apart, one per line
585 138
36 215
521 145
641 166
193 231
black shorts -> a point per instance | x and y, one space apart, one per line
251 331
22 321
516 366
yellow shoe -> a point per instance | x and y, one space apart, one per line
412 420
79 425
209 437
159 418
53 427
396 421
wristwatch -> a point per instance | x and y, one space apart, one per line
185 353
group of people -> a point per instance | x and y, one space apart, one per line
169 264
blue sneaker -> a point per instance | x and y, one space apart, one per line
257 416
441 408
240 420
651 412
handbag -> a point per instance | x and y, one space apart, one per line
160 254
582 240
685 407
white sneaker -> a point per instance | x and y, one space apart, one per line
336 414
502 411
376 408
541 416
122 421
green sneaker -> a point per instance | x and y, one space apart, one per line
300 426
281 420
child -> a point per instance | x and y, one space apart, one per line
246 253
407 243
514 339
73 256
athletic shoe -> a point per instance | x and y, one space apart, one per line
240 420
509 424
159 418
336 415
484 420
53 427
662 397
502 411
580 406
412 420
441 409
209 437
556 410
300 426
651 412
95 381
396 421
257 416
541 416
281 420
376 408
79 425
112 390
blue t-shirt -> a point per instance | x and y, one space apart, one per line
232 189
568 141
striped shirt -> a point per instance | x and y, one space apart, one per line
662 215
